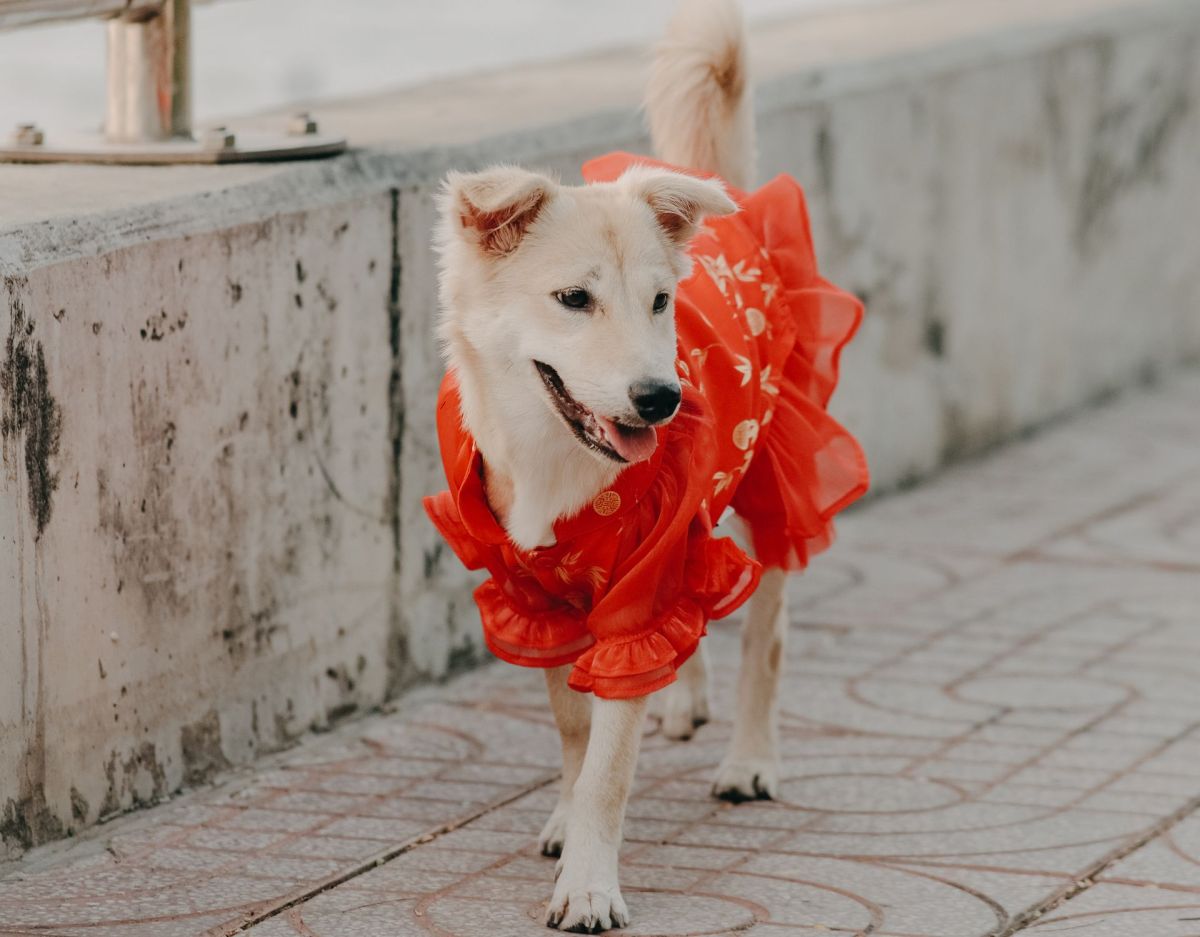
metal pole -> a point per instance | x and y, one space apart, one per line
114 100
180 13
149 75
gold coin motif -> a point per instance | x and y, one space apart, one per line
745 434
606 503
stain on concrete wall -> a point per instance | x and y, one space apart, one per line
200 747
1131 132
31 419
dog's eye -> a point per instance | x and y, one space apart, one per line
574 298
660 302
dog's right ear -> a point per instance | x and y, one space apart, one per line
493 209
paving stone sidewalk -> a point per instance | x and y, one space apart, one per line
991 727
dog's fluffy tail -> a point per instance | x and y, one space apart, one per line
698 99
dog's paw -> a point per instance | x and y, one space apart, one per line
587 910
685 709
740 779
554 833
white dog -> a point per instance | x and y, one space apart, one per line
603 406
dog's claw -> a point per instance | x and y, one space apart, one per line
752 779
586 900
588 912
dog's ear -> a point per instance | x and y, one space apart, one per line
493 209
680 203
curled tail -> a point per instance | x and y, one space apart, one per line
698 98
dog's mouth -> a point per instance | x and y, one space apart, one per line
618 441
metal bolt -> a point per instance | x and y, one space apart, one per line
29 135
219 138
302 124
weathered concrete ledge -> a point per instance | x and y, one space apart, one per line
217 383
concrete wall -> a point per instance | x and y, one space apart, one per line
196 558
217 384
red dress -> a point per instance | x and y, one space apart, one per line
628 588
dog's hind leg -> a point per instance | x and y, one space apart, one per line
685 702
750 770
587 896
573 714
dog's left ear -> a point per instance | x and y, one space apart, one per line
679 202
493 209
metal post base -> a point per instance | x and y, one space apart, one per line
32 145
148 116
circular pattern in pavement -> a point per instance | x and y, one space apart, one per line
869 793
1038 692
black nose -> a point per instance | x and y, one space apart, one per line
654 400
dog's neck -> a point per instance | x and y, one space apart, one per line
536 471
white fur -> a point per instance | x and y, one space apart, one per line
685 702
509 241
698 101
587 895
751 768
573 715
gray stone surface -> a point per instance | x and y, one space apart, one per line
1009 746
1009 183
216 505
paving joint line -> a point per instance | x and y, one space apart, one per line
1032 915
279 906
1113 511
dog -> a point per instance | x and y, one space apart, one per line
627 361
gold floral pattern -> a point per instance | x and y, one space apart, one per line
569 571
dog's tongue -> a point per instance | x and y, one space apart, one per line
633 444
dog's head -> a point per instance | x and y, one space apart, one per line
571 290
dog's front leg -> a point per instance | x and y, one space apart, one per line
573 714
751 769
587 896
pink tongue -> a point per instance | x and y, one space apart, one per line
632 445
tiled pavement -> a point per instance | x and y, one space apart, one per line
992 726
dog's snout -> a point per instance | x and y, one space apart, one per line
654 400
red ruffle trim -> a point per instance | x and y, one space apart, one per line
809 466
442 510
547 637
634 665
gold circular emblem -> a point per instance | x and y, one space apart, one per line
745 434
606 503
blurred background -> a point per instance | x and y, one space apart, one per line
258 55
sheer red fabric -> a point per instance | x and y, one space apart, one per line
627 590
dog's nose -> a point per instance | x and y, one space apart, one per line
654 400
